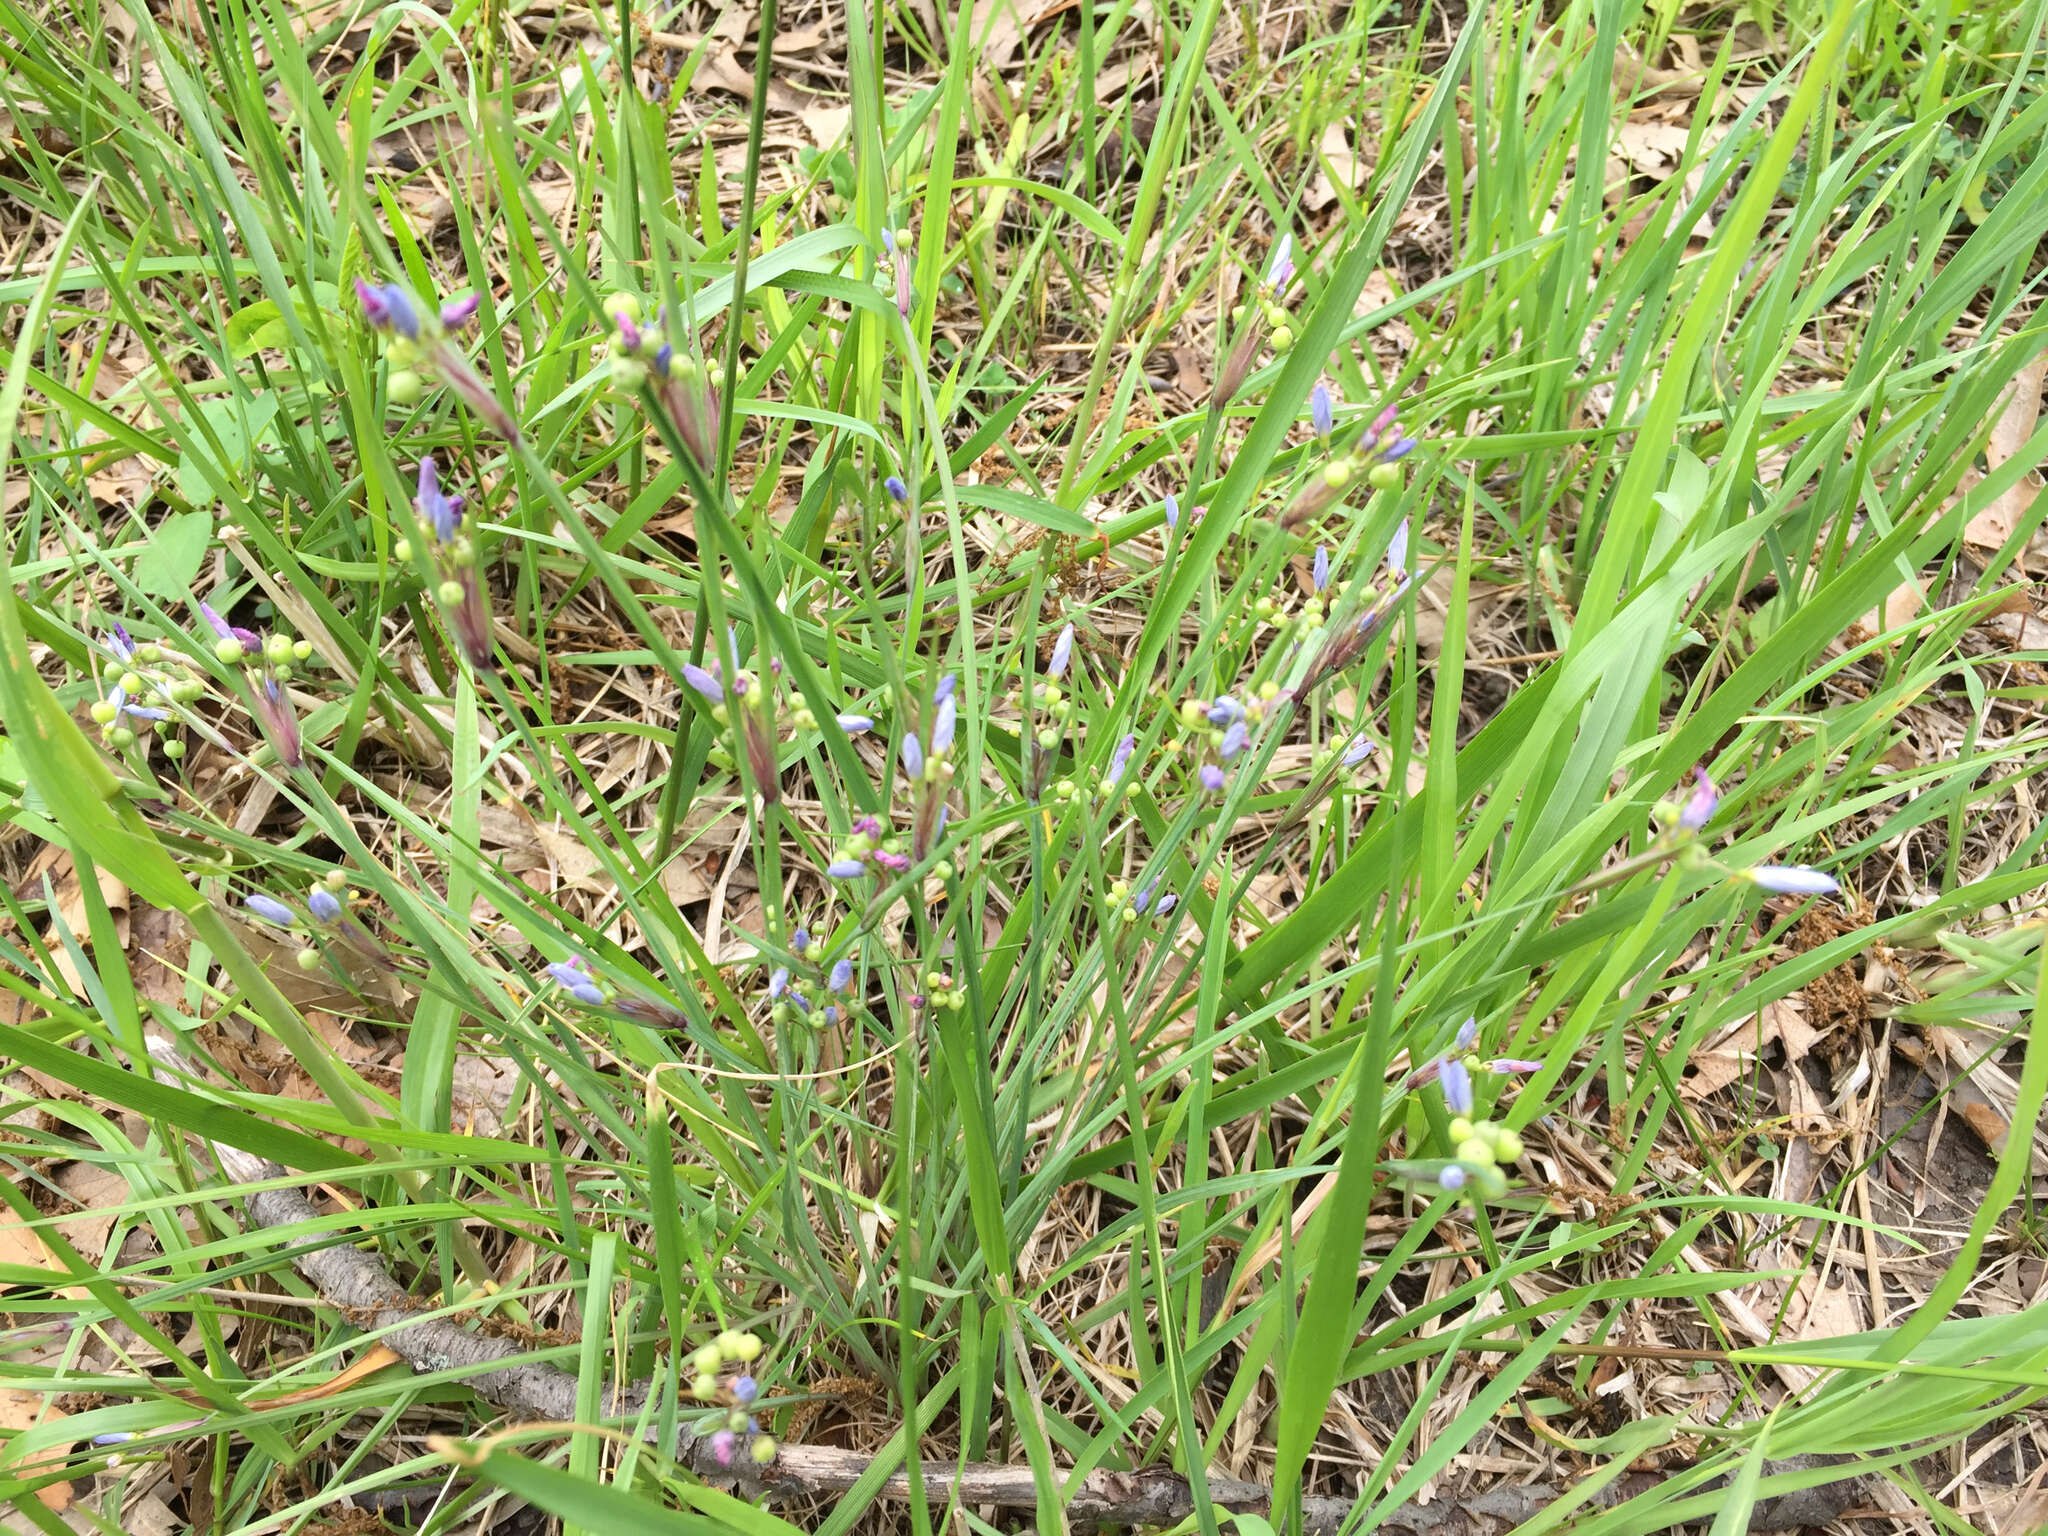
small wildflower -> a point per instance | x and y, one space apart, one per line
1166 904
704 682
1452 1178
1172 509
913 756
1467 1036
842 975
1119 760
1322 411
1512 1066
1359 750
1281 272
443 513
1456 1083
778 982
578 982
1235 738
853 725
723 1446
324 905
846 869
1062 651
1211 777
1320 572
1700 807
271 910
898 491
744 1389
943 723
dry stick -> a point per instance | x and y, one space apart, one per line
357 1284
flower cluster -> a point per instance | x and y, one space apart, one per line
1347 637
328 905
575 977
1478 1145
1264 314
642 353
1128 906
122 717
1680 823
418 336
723 1369
1045 725
737 697
1375 455
791 1005
928 770
266 666
868 843
1220 729
459 590
939 992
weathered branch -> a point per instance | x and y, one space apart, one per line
357 1284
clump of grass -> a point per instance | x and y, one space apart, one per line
972 873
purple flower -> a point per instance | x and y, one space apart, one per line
1699 810
1166 904
745 1389
1397 551
1510 1066
456 313
778 983
1456 1083
1400 448
248 639
1791 880
1211 777
1062 652
444 513
945 689
1234 741
1172 512
1120 759
895 863
800 941
270 909
846 869
842 975
853 725
723 1444
1468 1033
123 709
912 755
1281 272
898 491
1452 1178
1359 750
704 682
1321 570
1321 410
942 726
1224 710
1141 898
323 904
389 307
120 644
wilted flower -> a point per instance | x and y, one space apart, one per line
459 591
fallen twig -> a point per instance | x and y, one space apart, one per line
358 1285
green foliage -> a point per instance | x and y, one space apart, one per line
1685 471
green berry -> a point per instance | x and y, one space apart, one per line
708 1359
449 593
402 551
1475 1152
1382 476
763 1450
1507 1145
307 959
704 1388
628 374
104 712
120 736
404 387
229 649
747 1349
623 303
174 750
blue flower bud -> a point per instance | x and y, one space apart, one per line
846 869
1456 1083
271 910
704 682
323 905
1062 651
842 975
898 491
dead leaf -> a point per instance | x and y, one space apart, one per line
1990 528
100 1194
20 1410
23 1246
826 122
1337 164
1729 1054
1821 1311
1901 605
